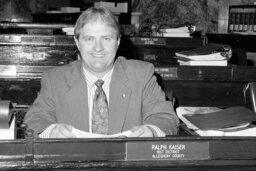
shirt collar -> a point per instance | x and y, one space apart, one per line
91 79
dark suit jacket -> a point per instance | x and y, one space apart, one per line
135 98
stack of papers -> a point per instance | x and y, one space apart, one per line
211 55
65 10
120 7
69 30
70 9
175 32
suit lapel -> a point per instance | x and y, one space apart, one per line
77 98
119 99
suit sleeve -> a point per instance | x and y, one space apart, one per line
156 110
42 113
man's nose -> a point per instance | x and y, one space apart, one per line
98 45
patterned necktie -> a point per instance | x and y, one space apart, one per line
100 110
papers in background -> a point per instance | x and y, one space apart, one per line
64 10
8 70
204 63
211 51
82 134
70 9
246 132
183 29
175 32
205 57
223 119
192 110
114 7
239 130
69 30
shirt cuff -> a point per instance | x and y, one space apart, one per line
157 132
47 131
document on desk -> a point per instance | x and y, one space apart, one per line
215 128
83 134
244 132
226 118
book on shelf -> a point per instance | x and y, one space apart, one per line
203 63
232 19
232 121
211 51
237 21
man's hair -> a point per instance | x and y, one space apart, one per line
93 14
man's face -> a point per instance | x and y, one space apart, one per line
98 44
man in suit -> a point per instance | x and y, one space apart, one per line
135 101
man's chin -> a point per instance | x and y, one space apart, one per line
100 69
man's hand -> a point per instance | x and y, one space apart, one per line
62 131
141 131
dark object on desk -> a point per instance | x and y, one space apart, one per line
230 117
6 115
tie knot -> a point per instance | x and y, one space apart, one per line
99 83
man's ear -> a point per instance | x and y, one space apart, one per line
118 40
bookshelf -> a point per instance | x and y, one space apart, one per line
70 18
242 19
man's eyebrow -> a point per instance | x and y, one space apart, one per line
107 35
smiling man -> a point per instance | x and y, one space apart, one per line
101 93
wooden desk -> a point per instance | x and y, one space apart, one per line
194 86
191 85
206 86
194 153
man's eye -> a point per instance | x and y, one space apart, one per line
87 39
107 38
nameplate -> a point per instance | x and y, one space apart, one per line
9 39
149 41
167 72
167 150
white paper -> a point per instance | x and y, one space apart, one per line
183 29
8 70
69 30
83 134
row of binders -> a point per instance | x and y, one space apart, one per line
242 21
211 54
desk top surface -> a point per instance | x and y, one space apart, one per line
143 153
